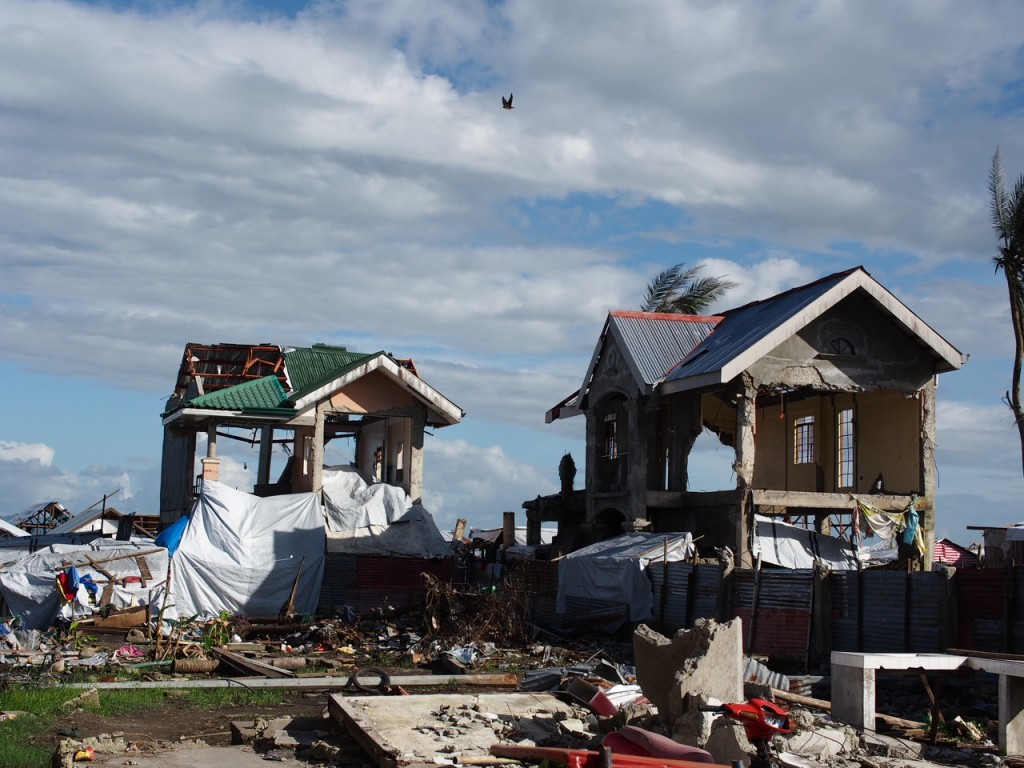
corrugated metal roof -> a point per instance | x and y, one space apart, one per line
743 327
655 342
747 333
258 394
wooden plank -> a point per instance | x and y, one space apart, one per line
251 666
826 706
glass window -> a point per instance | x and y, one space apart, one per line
803 440
844 448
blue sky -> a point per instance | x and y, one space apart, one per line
343 172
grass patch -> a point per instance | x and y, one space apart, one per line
22 739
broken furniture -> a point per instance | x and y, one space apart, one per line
853 687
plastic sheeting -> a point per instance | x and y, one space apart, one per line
547 535
791 546
29 586
378 519
613 570
241 553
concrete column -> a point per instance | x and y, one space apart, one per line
266 453
211 464
414 477
316 471
177 473
508 529
1011 715
533 531
928 482
636 480
746 421
853 695
590 471
211 469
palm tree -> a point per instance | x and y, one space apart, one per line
1008 222
680 290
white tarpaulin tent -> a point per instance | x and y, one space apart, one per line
378 519
29 586
614 570
791 546
241 553
547 535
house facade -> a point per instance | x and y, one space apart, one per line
824 393
301 399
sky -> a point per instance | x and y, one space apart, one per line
343 173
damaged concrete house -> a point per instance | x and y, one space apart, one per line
301 398
826 393
289 404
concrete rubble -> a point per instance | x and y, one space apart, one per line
704 666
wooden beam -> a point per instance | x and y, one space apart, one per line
250 666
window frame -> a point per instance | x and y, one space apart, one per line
803 440
846 448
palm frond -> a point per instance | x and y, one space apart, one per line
681 290
661 289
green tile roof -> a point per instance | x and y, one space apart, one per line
257 394
308 366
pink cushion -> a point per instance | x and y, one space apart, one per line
656 745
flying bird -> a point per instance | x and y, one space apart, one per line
506 103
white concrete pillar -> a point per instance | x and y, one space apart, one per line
1011 715
211 464
746 425
853 695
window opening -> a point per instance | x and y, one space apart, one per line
803 440
837 345
611 443
844 449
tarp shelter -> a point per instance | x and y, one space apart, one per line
29 585
241 553
377 519
614 570
791 546
547 535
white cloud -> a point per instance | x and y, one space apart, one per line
26 452
29 476
478 484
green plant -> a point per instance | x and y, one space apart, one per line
217 631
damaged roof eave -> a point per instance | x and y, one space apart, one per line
694 382
446 410
195 415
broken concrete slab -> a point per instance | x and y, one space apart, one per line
728 743
707 660
288 732
440 728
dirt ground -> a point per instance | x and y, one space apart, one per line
174 723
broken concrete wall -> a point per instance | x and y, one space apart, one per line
705 662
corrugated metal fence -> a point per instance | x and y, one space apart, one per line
785 613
